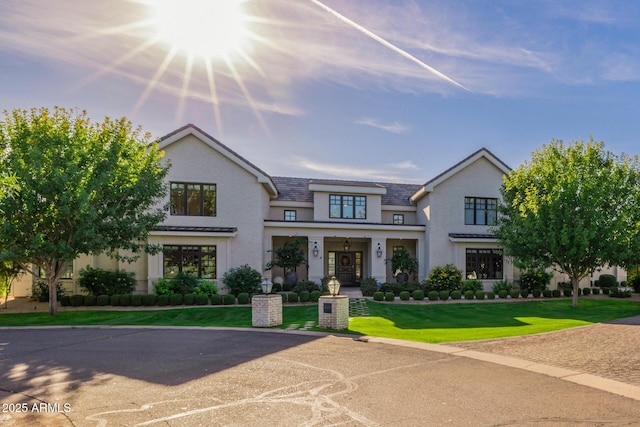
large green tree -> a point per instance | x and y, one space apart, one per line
80 188
574 207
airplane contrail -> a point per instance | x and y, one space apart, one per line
387 44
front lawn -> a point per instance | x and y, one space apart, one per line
433 323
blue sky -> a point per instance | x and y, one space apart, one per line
379 90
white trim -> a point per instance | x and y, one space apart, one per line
193 234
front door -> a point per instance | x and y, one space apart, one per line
346 268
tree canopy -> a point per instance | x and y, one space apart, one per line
574 207
78 188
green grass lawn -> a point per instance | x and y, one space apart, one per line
433 323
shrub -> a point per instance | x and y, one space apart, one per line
605 291
176 299
491 295
389 296
378 296
292 297
433 295
502 285
536 293
514 293
203 299
567 292
206 287
65 300
405 295
525 293
215 299
546 293
468 295
456 295
243 298
104 282
102 300
189 299
149 300
228 299
284 296
503 293
76 300
443 295
162 287
534 279
586 291
555 293
305 285
115 299
163 300
136 300
304 296
40 291
480 295
445 278
90 300
618 293
286 287
635 283
607 281
184 283
596 291
418 295
368 286
472 285
125 300
314 296
242 279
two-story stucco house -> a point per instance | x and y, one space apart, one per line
224 211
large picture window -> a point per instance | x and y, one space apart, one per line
348 207
484 264
196 260
193 199
480 211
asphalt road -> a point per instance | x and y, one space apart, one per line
206 377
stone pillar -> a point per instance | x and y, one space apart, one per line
266 311
333 312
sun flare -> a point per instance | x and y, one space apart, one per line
207 28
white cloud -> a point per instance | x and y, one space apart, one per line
347 172
395 127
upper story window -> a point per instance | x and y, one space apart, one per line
398 218
193 199
289 215
348 207
480 211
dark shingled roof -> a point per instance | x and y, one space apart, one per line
297 189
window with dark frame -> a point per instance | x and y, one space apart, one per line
480 211
193 199
289 215
347 207
398 218
68 272
484 264
196 260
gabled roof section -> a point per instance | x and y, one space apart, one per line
297 189
464 163
190 129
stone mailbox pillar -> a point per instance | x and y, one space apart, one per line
266 311
333 312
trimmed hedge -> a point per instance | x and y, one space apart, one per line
524 293
378 296
468 295
149 300
76 300
314 296
536 293
456 294
114 299
405 295
480 295
102 300
418 295
190 299
305 296
136 300
243 298
292 297
503 293
125 300
596 291
90 300
586 291
228 299
176 299
433 295
163 300
514 293
491 295
389 296
65 300
443 295
556 293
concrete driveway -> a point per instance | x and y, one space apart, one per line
208 377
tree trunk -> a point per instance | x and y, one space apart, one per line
53 296
576 287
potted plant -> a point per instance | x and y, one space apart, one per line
402 264
289 257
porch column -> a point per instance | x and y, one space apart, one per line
316 263
378 266
267 255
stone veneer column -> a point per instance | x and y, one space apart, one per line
266 311
333 312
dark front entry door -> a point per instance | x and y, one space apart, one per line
346 268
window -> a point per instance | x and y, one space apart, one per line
480 211
484 264
193 199
348 207
289 215
197 260
398 218
68 273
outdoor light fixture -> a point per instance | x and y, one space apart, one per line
379 251
334 286
346 245
266 286
316 251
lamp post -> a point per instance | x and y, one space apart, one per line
333 309
334 286
267 286
266 309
